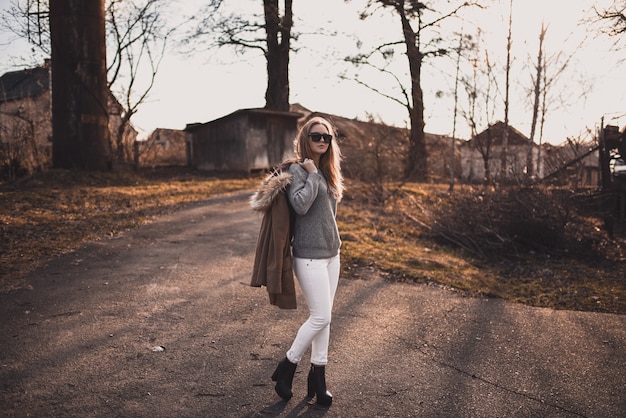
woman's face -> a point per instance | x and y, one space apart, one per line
319 139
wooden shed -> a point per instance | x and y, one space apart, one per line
245 140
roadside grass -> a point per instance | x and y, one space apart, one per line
52 213
419 242
55 212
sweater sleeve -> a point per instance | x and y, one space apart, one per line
303 189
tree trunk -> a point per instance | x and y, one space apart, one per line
80 136
456 106
120 147
487 169
505 133
417 163
278 32
536 101
485 151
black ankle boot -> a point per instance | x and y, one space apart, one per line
283 376
317 385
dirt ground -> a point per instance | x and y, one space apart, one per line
161 322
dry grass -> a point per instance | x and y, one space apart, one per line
423 235
462 241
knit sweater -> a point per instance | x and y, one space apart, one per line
315 233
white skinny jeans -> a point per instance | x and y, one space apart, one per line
318 280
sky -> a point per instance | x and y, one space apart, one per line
207 85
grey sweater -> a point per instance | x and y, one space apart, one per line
315 233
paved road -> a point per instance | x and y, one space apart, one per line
160 322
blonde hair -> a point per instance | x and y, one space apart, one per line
330 161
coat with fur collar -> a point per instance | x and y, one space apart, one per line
273 263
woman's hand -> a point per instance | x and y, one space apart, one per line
309 165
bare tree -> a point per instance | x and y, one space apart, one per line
137 38
465 43
507 86
28 19
544 110
549 69
481 89
416 20
537 98
270 34
615 18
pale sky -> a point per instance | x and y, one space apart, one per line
206 87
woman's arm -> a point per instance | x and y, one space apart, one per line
303 189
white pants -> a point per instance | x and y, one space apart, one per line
318 280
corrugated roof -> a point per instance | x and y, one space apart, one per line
31 82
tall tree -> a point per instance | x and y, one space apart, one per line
537 97
278 30
136 36
505 134
214 27
465 43
79 110
548 69
456 108
416 20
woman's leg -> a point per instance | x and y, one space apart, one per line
319 345
318 280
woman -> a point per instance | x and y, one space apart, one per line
316 188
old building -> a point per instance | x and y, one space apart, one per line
26 121
481 156
164 147
244 141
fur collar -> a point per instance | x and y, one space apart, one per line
273 184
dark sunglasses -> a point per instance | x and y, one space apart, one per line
317 137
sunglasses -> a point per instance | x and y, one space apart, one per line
317 137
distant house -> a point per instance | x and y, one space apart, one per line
481 156
243 141
26 120
164 147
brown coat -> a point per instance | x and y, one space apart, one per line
273 263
